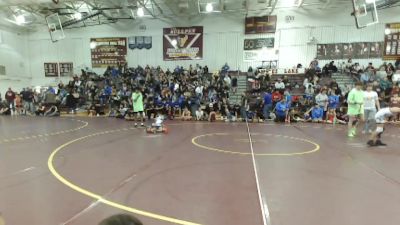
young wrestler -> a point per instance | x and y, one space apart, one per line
317 113
355 109
186 115
158 123
381 117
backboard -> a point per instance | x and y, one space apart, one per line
365 13
55 27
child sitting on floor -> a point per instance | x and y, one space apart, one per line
186 115
157 126
317 113
199 114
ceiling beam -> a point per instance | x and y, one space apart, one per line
273 6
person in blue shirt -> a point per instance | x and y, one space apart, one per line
281 110
267 101
317 112
333 104
334 101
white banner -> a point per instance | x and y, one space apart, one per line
259 55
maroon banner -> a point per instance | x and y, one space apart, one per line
260 25
392 42
108 51
183 43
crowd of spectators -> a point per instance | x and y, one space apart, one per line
196 94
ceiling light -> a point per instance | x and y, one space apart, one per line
140 12
78 16
93 45
20 19
209 7
387 31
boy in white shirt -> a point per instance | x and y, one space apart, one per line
381 118
371 105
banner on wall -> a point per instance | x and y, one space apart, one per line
183 43
260 25
66 69
358 50
392 41
260 55
51 69
140 42
258 43
108 51
259 49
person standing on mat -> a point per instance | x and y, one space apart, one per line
137 102
381 117
371 104
355 101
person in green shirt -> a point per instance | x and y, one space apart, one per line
138 108
355 108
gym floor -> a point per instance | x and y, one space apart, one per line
80 170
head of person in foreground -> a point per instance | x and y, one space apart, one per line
121 219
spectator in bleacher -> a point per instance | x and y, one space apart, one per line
396 78
355 70
244 104
365 77
10 97
5 108
276 97
385 85
267 102
316 112
234 84
329 68
334 84
314 65
281 111
280 86
370 68
322 100
28 100
397 64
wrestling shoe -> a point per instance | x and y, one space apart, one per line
350 134
371 143
135 124
379 143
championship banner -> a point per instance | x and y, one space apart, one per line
392 41
258 43
260 25
183 43
358 50
108 51
140 42
259 49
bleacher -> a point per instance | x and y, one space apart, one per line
293 78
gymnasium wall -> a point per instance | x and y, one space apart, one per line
13 55
223 40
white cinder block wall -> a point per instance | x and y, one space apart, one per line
13 55
223 41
